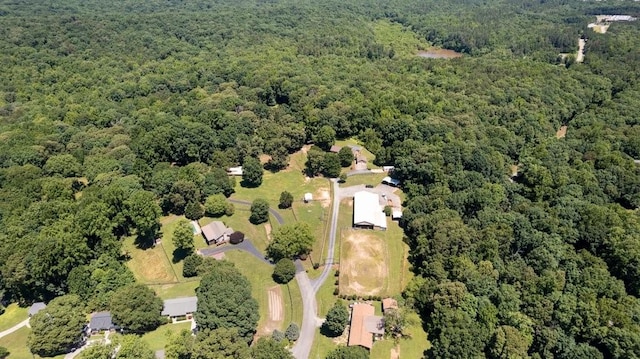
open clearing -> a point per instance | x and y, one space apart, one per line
276 310
13 314
562 131
363 268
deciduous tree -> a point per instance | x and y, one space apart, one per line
251 172
289 241
136 308
58 327
337 319
259 211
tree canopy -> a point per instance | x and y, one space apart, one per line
290 240
58 327
136 308
225 301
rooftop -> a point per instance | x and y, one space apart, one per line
363 325
367 210
215 230
35 308
101 321
180 306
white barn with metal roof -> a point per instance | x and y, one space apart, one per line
367 211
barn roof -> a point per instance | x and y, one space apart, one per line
367 210
180 306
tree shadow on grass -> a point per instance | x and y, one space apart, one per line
180 254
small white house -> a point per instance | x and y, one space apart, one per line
391 181
308 197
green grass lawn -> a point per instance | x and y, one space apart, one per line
149 266
370 156
292 304
169 224
176 290
373 179
13 314
291 179
317 214
16 344
157 339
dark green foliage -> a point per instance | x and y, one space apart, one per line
4 352
217 181
293 332
286 199
194 211
343 352
224 301
190 265
331 165
58 327
259 211
289 241
545 259
284 271
183 237
220 343
346 156
267 348
124 347
325 137
215 205
95 283
136 308
336 321
251 172
278 336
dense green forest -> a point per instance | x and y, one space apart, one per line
523 244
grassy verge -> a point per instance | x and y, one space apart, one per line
13 314
150 265
292 303
373 179
157 339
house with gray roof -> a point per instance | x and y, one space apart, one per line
178 309
100 322
35 308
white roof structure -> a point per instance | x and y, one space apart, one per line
396 213
235 171
308 197
391 181
180 306
367 210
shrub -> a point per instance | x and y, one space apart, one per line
259 211
277 335
215 205
316 265
336 321
292 333
286 200
387 211
336 291
230 210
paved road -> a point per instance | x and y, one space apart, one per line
308 288
245 245
23 323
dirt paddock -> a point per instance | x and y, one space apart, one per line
363 268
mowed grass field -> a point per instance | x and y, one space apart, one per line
371 262
13 314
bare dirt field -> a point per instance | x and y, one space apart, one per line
276 311
562 131
363 268
324 196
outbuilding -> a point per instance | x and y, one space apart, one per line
367 212
391 181
364 326
100 322
35 308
